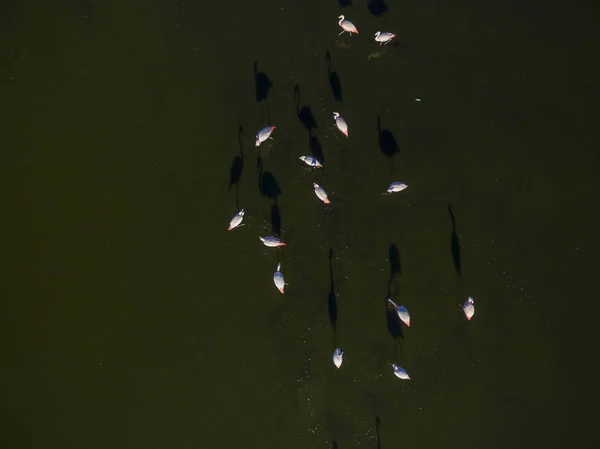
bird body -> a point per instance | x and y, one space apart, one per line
236 220
321 193
384 37
264 134
347 26
396 187
402 313
469 308
278 279
340 123
312 161
338 357
271 241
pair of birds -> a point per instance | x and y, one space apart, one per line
468 308
348 27
265 133
338 358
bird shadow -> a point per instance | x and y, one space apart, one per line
331 297
395 267
275 220
262 85
387 142
304 113
377 431
315 148
237 165
454 243
267 184
377 7
393 322
334 79
334 445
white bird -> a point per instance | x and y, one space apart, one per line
400 372
338 357
278 279
312 161
396 187
469 308
236 220
264 134
321 193
402 313
271 241
340 123
347 26
384 37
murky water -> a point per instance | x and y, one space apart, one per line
132 318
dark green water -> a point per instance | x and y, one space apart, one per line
133 319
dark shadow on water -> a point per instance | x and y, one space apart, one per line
334 79
331 298
237 165
304 114
387 141
334 445
377 7
316 149
344 3
275 220
377 431
262 85
454 242
395 266
267 184
393 322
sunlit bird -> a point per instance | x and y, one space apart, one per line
340 123
264 134
469 308
396 187
271 241
321 193
278 279
400 372
312 161
347 26
384 37
402 313
236 220
338 357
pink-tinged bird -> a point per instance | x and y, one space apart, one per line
469 308
264 134
271 241
384 37
236 220
340 123
278 279
402 313
400 372
321 193
347 26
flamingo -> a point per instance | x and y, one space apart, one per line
347 26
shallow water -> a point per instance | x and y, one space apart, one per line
134 319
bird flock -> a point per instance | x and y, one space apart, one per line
272 241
